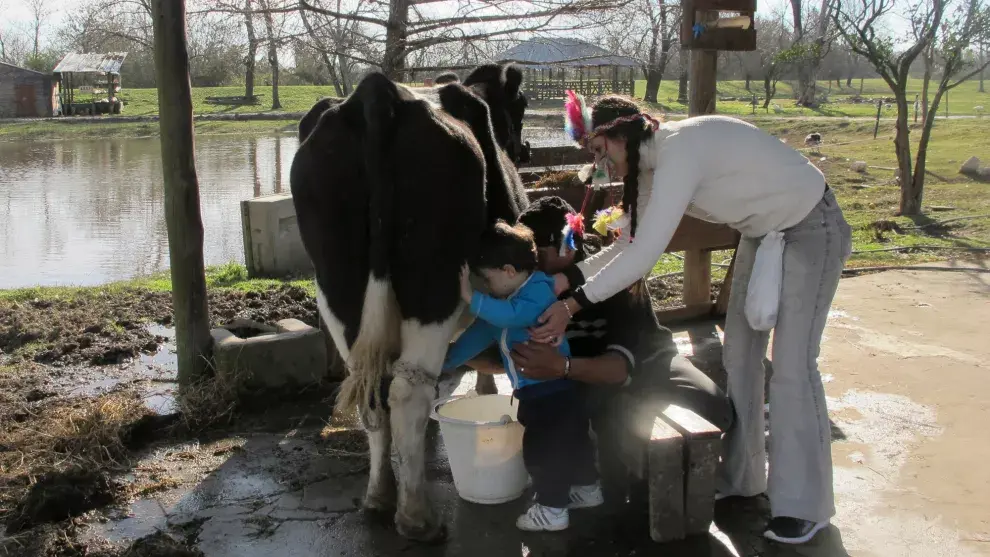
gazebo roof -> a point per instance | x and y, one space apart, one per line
91 62
546 52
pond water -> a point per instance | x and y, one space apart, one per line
86 212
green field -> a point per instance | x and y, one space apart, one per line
300 98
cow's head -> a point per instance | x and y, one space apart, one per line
500 87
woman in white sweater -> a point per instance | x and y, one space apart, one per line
727 171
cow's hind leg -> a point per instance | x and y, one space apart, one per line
410 396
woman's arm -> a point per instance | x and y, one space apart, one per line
675 181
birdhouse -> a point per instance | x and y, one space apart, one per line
718 25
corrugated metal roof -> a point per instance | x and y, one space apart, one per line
92 62
547 52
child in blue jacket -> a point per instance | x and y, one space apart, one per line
557 448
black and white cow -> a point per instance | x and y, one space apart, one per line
392 194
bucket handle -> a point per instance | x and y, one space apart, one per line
435 415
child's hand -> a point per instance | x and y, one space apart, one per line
466 290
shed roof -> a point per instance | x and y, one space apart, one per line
548 51
91 62
18 68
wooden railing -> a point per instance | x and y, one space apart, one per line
551 89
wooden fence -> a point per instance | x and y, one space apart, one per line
553 89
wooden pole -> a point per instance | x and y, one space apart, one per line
698 263
182 210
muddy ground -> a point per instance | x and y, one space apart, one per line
78 378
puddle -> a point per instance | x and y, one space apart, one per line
153 374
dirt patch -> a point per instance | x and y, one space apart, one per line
52 541
158 544
667 292
67 443
61 495
105 327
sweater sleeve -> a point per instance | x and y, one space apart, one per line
675 181
521 310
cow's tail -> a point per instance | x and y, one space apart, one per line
374 103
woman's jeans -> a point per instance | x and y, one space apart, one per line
800 474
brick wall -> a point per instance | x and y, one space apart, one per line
14 83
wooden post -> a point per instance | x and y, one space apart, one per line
698 263
876 127
182 210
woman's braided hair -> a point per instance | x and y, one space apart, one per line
635 132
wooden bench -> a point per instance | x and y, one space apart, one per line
676 453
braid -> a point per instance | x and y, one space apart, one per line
635 132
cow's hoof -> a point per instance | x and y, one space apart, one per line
379 504
428 532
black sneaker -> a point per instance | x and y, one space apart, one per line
785 529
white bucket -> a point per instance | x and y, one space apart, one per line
484 448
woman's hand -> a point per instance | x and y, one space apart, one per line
466 290
553 322
538 361
560 284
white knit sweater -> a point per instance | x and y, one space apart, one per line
714 168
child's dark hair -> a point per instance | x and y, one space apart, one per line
609 108
504 244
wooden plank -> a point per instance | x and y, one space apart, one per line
702 447
683 313
722 302
559 155
666 483
697 277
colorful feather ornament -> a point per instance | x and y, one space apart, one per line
574 227
577 117
604 219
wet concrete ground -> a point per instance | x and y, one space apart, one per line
904 362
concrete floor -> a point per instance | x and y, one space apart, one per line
905 364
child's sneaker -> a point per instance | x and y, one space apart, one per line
540 518
586 496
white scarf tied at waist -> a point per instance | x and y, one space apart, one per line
763 292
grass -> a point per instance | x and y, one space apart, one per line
230 276
962 100
300 98
870 200
98 130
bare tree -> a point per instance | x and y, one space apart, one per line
811 45
861 24
407 29
775 54
252 51
664 23
273 40
682 78
39 13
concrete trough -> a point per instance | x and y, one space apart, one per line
290 354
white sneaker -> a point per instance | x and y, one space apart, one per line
543 519
586 496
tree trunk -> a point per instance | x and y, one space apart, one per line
807 86
915 195
768 90
252 53
849 82
747 83
982 60
182 210
927 58
396 35
910 204
653 79
273 58
345 78
682 80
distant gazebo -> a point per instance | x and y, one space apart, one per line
101 69
553 65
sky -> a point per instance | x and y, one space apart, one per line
17 12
